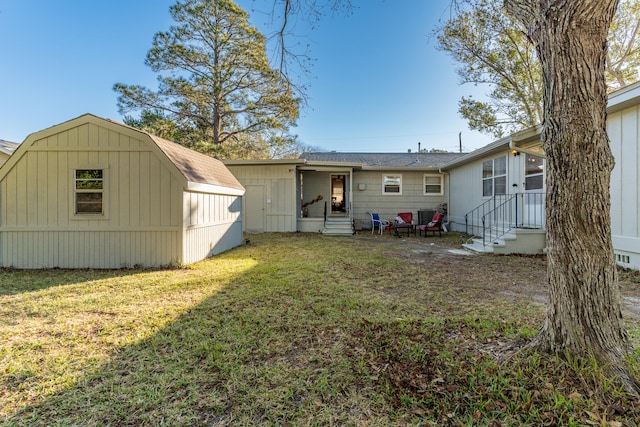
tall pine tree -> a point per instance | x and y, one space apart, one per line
216 90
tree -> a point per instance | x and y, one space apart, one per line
216 89
492 49
583 316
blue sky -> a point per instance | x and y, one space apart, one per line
378 84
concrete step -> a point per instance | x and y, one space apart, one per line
338 227
475 247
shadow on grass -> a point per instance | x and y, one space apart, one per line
266 347
298 338
13 282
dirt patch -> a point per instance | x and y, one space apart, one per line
517 277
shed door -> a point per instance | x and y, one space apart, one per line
254 208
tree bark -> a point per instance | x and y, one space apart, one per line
583 316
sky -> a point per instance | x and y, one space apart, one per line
377 84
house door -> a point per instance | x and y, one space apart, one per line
338 194
254 212
533 197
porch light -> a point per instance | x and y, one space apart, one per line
515 153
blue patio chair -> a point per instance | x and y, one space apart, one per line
377 222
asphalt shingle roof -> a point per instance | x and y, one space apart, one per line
197 167
400 160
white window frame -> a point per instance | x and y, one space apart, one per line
492 178
76 191
385 182
440 184
528 174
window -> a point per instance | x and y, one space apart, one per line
433 185
392 184
494 176
534 173
89 185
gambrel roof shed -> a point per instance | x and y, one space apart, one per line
95 193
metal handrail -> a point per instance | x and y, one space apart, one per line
473 223
498 216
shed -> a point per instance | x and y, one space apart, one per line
94 193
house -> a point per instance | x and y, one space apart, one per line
333 192
6 150
498 191
94 193
498 195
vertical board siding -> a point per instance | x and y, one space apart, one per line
623 129
624 133
92 249
142 200
213 225
279 183
139 190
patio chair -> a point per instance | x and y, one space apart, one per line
377 222
404 221
434 225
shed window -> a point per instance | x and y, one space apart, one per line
392 184
89 186
494 176
433 185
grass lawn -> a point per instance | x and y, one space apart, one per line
299 329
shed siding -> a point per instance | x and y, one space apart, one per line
89 248
213 224
279 193
142 202
623 129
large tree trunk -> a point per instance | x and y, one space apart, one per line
584 316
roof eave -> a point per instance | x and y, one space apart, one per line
496 146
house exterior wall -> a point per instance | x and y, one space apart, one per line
275 184
623 128
465 186
314 184
142 199
368 196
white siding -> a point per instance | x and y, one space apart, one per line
465 186
624 133
213 224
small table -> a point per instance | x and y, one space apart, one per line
411 228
